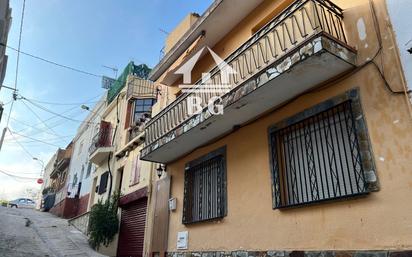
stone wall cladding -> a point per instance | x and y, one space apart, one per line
365 147
354 253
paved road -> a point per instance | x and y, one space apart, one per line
46 235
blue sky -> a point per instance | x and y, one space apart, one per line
83 34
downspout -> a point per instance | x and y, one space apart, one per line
113 139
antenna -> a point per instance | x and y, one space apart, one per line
164 31
114 69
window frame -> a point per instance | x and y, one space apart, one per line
101 189
192 164
357 118
143 105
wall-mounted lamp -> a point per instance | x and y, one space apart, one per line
160 170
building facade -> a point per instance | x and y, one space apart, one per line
79 182
5 23
302 140
116 153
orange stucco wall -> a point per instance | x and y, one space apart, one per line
380 220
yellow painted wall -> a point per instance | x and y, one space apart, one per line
175 35
381 220
125 163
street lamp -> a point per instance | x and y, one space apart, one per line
42 165
160 170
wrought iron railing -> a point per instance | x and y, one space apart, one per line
297 23
101 139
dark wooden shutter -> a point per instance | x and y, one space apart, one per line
132 228
128 115
105 136
103 182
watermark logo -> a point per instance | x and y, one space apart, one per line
206 90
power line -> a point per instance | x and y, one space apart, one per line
52 62
56 123
31 126
55 113
50 140
35 139
64 112
57 103
39 118
15 80
17 62
15 176
17 141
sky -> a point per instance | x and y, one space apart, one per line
86 35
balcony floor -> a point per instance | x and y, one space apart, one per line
100 154
313 62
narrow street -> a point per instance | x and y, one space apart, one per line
26 232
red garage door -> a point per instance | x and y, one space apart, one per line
132 226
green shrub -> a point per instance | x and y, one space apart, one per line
4 203
104 222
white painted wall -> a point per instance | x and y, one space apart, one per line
80 158
400 16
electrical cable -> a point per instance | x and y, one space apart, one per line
22 146
30 126
49 140
15 176
39 118
37 140
58 123
56 103
17 63
55 113
52 62
110 153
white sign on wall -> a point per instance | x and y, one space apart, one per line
182 240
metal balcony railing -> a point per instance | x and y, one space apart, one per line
101 139
297 23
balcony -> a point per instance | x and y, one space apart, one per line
302 47
140 88
101 144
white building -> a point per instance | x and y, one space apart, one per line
80 170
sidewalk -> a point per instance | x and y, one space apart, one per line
46 235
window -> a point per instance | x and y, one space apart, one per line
80 148
142 106
89 169
205 188
135 174
74 182
103 182
317 159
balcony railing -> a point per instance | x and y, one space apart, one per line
102 139
295 25
138 87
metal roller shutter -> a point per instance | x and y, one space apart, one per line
132 228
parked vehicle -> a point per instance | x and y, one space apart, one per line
22 203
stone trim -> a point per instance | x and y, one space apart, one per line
365 148
326 253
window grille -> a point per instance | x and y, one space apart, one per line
317 159
205 188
